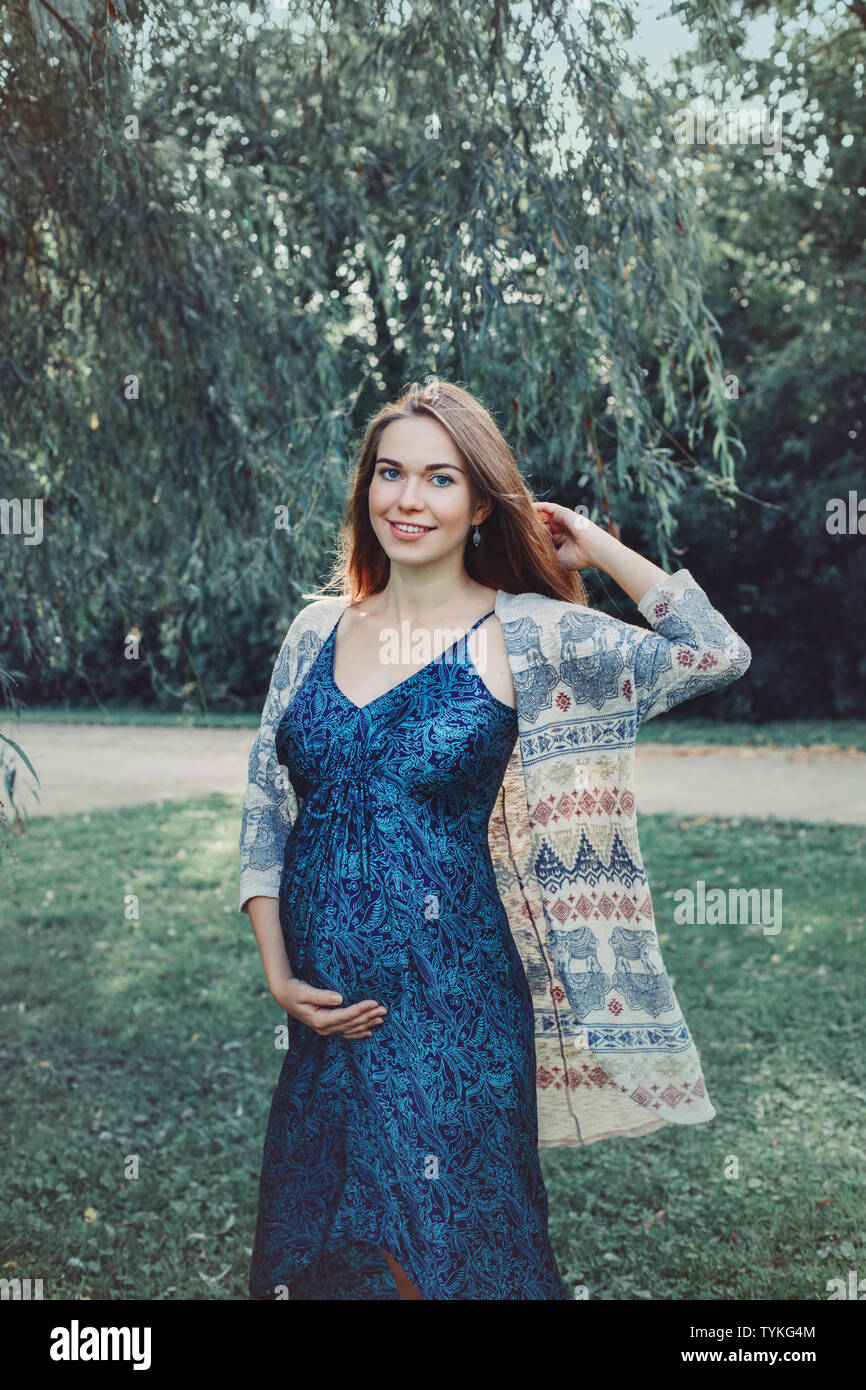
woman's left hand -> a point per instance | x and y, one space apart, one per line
577 539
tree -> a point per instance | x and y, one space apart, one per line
787 284
229 235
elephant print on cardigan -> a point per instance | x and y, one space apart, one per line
614 1056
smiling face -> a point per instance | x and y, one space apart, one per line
422 498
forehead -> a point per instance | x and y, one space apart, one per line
418 442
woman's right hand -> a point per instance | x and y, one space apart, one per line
314 1008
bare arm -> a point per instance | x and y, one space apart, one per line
265 918
692 647
629 570
314 1007
581 544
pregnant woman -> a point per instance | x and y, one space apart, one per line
401 1152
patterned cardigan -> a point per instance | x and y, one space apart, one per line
613 1054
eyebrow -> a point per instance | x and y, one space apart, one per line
427 466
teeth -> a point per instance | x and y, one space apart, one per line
401 526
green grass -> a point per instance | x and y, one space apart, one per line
154 1038
669 728
778 1024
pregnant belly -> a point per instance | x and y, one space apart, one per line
362 911
340 931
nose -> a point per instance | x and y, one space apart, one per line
408 495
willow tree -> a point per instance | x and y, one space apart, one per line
229 233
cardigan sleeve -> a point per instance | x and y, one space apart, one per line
266 819
692 648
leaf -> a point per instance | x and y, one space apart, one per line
22 755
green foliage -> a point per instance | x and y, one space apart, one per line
786 281
321 204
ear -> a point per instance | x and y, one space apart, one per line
482 511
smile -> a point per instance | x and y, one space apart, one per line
403 528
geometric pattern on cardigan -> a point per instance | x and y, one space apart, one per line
614 1056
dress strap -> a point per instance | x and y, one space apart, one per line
466 636
481 620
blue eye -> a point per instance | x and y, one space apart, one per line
389 468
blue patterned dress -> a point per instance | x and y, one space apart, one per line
423 1137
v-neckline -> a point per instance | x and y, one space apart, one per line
400 684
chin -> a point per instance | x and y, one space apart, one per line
404 555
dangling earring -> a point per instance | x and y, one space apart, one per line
476 536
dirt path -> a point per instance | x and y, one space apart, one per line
83 767
789 783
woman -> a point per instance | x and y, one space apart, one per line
429 1026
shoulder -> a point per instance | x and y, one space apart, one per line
533 622
307 631
318 616
539 608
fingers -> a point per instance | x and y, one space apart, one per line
320 998
551 518
361 1030
354 1013
356 1020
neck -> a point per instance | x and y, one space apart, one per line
420 595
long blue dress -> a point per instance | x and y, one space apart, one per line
423 1137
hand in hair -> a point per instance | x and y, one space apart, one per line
576 538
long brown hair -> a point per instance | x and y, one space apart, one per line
516 553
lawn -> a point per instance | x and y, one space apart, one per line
149 1043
